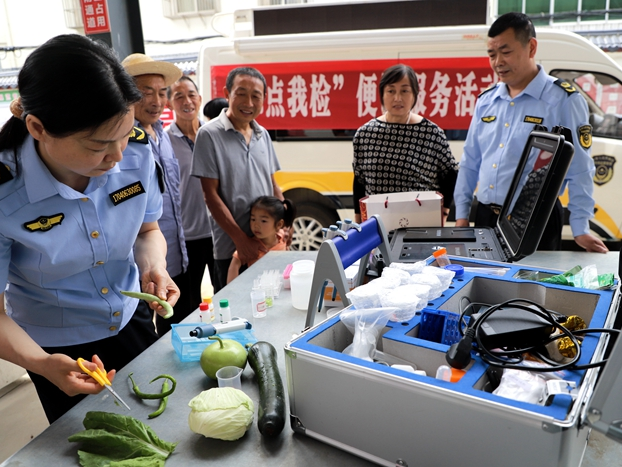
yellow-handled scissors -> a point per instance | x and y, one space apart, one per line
102 378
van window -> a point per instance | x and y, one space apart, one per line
604 98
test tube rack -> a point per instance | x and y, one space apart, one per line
338 253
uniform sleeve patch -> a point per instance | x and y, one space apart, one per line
566 86
489 119
138 136
44 223
536 120
5 173
585 136
127 192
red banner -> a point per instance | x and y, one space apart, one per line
344 94
95 16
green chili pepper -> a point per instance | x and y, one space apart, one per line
151 298
163 394
162 401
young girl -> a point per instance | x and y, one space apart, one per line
269 216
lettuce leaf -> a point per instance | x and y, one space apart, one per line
113 440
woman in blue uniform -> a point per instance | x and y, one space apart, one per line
78 219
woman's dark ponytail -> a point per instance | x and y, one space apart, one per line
13 134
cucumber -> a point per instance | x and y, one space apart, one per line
262 358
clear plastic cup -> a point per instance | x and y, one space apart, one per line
258 303
301 279
229 377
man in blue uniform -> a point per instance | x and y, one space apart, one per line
504 117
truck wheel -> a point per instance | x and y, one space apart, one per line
308 226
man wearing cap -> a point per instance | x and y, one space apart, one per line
152 79
236 161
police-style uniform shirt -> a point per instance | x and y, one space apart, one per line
66 255
171 222
498 134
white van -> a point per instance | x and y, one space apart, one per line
323 86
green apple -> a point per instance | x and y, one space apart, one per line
225 352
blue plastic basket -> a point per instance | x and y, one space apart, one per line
189 349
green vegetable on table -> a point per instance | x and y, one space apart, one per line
121 439
160 395
262 358
151 298
221 413
225 352
163 401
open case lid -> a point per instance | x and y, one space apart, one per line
534 190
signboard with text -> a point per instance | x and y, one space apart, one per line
344 94
95 16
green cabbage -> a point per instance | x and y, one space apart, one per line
221 413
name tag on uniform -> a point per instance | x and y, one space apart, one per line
127 192
536 120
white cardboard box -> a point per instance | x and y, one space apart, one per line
331 295
401 210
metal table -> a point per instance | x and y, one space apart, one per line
282 322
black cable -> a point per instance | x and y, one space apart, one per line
512 358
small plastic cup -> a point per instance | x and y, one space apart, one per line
229 377
258 303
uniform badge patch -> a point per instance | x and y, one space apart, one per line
585 136
489 119
566 86
127 192
604 169
536 120
138 136
44 223
5 173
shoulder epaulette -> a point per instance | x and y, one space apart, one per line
486 90
5 173
566 86
138 136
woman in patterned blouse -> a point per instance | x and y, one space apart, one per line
400 150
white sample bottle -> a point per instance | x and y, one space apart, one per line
225 311
204 312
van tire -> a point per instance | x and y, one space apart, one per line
310 220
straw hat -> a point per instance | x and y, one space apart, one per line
140 64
